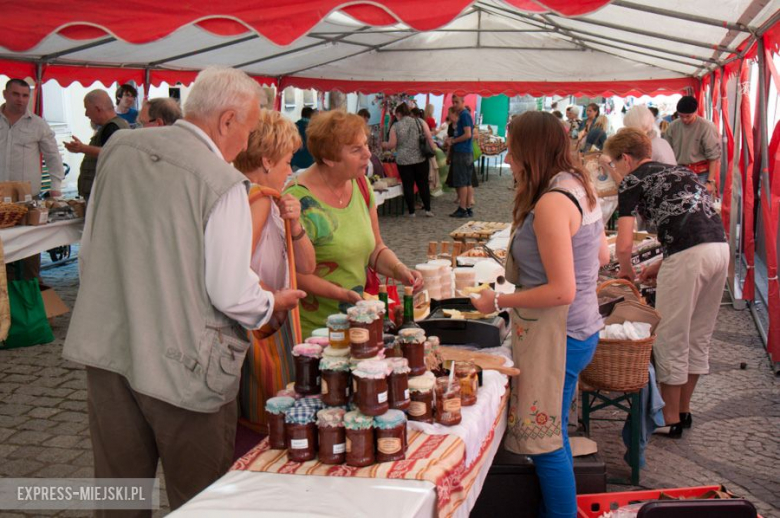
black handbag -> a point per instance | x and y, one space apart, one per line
425 146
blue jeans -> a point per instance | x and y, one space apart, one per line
556 469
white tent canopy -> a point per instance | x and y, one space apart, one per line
491 46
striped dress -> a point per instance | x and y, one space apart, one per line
268 366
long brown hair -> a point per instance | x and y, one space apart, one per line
540 148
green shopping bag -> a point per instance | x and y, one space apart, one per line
29 325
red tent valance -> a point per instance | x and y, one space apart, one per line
511 88
280 21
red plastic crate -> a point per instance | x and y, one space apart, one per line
594 505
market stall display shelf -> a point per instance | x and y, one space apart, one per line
478 230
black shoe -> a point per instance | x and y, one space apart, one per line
470 213
673 431
685 419
460 213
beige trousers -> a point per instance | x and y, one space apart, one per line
131 432
690 288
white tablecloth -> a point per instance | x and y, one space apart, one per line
245 493
21 242
392 192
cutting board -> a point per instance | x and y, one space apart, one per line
484 360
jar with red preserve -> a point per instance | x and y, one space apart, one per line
398 383
332 436
448 401
371 393
376 309
306 358
359 439
421 396
301 433
390 430
275 408
413 348
334 371
362 340
466 373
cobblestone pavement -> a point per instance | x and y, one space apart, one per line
734 439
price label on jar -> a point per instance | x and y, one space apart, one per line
299 444
358 335
339 448
382 397
452 405
337 336
406 394
389 445
417 408
324 387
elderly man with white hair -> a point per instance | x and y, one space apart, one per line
99 109
166 286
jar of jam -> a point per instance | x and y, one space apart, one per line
338 326
371 378
421 396
392 347
362 333
447 401
398 383
376 309
301 433
466 373
332 436
307 368
275 408
334 385
360 439
413 348
390 436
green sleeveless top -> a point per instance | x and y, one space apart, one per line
343 241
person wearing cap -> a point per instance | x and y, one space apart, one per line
695 142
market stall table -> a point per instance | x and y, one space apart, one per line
25 241
442 475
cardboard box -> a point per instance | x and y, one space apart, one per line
53 304
37 216
632 311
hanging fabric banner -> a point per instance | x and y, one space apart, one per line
746 171
728 135
770 213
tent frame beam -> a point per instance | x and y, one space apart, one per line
650 34
395 31
556 28
203 50
489 47
300 49
86 46
681 16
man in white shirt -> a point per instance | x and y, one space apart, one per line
165 278
24 137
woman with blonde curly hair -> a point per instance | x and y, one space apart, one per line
268 367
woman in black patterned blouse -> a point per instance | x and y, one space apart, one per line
692 274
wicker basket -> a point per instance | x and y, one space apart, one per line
614 288
619 365
11 214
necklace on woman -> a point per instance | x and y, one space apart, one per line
339 197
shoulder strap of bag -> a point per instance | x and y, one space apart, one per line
363 186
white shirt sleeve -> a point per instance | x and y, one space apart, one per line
231 284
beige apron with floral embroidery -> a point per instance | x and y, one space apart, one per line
539 351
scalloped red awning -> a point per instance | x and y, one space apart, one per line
281 21
511 88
